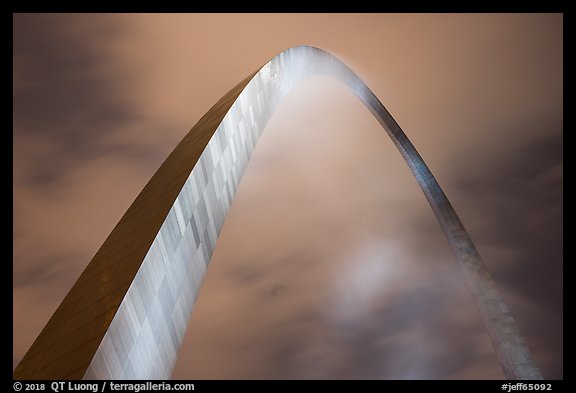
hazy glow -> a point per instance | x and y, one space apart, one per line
137 83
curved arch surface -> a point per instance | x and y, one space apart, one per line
126 315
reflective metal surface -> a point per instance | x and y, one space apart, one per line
126 315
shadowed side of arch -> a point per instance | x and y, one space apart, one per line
126 315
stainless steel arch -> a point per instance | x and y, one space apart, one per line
125 316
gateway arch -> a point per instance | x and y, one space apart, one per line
126 315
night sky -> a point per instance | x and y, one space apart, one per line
330 263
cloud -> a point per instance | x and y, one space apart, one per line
371 290
514 198
65 93
331 264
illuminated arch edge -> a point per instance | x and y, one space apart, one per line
126 315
